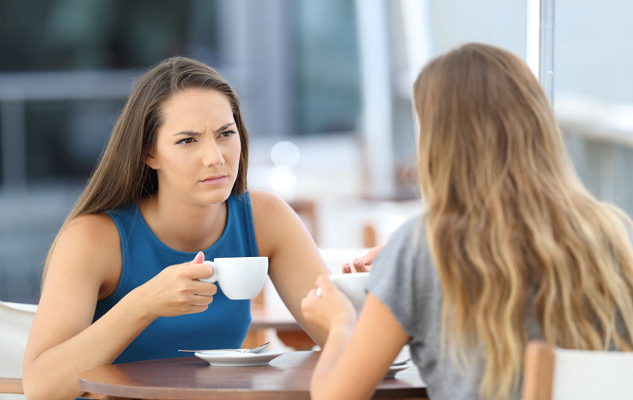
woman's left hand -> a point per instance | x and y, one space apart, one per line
363 264
326 306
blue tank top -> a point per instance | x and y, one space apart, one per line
223 325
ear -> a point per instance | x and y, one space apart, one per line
150 161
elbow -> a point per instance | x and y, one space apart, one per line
31 386
316 388
320 391
37 387
315 393
32 391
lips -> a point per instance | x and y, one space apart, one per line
213 180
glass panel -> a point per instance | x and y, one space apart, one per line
326 71
593 93
77 34
83 128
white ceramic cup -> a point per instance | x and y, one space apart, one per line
240 278
353 286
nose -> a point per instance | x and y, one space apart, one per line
212 154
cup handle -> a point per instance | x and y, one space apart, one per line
213 278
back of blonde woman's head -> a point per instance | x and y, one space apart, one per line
511 228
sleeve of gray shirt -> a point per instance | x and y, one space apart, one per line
403 277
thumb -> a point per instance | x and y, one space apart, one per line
324 282
368 258
198 259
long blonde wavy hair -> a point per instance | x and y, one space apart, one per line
510 226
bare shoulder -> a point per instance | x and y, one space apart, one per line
273 220
89 248
96 233
270 210
264 202
90 224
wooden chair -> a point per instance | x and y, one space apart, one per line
560 374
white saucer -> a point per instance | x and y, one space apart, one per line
236 359
394 369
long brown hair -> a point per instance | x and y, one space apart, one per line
509 223
121 176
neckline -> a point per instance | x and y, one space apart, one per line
154 238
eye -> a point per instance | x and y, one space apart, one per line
227 134
187 140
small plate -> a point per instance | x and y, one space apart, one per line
394 369
235 359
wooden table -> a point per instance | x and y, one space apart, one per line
287 377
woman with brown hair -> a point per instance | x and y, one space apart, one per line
510 247
122 280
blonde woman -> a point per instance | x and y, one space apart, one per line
510 248
122 280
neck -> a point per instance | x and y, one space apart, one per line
185 227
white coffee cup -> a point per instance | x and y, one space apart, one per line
240 278
353 287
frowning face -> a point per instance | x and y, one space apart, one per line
197 150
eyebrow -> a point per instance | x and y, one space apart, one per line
192 133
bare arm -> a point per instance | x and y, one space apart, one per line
86 266
294 259
346 347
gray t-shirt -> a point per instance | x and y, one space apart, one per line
405 279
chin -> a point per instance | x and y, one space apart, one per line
218 196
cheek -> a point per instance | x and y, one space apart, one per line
235 153
174 163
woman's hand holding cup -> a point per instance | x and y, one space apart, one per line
326 306
177 289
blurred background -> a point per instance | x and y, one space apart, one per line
325 87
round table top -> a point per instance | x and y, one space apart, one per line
286 377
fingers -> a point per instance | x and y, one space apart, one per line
325 286
205 289
177 290
362 264
199 271
368 258
323 280
197 298
329 307
310 306
359 266
195 308
198 259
